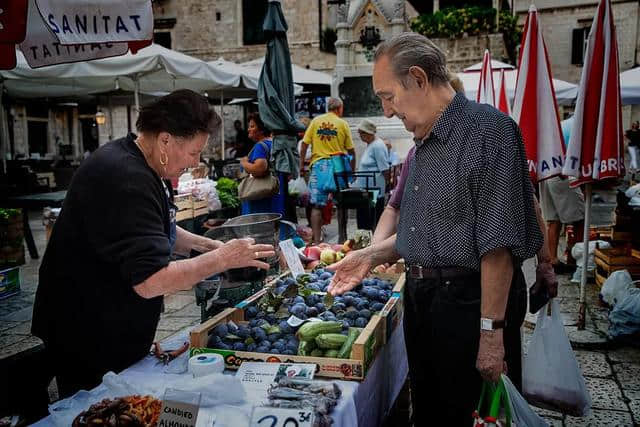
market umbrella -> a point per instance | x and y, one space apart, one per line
495 65
534 106
276 94
630 86
595 149
565 92
503 100
486 92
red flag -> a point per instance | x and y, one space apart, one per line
596 145
486 92
503 101
134 47
13 21
8 58
534 105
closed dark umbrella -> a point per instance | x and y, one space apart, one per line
275 93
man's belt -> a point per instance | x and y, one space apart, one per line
415 271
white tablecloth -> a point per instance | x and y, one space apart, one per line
363 403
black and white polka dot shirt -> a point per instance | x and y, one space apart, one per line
468 191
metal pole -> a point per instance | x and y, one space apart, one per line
136 93
585 258
222 121
4 136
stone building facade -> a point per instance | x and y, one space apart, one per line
566 25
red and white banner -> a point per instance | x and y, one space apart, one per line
596 144
486 92
534 105
503 100
13 21
42 48
98 21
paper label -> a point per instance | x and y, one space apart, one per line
263 416
292 257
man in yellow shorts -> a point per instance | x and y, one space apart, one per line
329 136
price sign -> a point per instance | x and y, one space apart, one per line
281 417
292 256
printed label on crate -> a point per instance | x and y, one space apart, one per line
264 416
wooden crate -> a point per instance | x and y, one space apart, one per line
363 352
200 204
184 203
635 253
200 212
614 259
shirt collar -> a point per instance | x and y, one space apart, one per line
443 126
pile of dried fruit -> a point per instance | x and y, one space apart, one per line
134 411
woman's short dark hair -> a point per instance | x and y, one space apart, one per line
182 113
259 123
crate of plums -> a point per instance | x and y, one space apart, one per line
296 320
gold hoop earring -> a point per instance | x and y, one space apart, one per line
164 161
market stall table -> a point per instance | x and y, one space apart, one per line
35 201
363 403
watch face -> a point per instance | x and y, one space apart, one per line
486 324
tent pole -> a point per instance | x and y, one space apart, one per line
136 93
4 140
222 122
585 258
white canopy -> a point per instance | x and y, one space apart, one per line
565 92
301 75
152 69
630 86
495 65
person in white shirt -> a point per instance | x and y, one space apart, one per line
375 158
394 160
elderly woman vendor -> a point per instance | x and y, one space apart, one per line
108 263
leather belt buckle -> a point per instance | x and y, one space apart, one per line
415 272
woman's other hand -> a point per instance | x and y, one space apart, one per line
238 253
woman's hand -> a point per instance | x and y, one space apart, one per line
238 253
204 244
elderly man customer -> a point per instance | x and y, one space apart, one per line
331 147
468 220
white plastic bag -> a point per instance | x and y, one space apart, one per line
551 377
625 316
616 286
521 413
298 187
578 250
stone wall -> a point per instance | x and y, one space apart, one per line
198 33
467 51
558 19
116 125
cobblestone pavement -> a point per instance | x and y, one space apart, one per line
612 374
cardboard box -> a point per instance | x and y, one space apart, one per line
9 282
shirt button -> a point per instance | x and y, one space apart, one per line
412 229
415 188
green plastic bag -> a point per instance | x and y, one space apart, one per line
493 406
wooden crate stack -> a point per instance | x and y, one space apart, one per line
184 202
614 259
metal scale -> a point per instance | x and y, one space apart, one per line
231 287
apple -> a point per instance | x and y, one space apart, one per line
336 247
347 246
339 255
328 256
313 252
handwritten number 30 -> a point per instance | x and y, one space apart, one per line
274 420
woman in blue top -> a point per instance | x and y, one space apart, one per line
257 164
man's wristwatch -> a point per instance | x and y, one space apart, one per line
491 324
